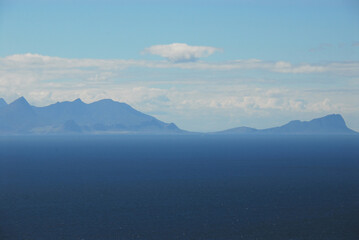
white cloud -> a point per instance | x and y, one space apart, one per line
181 52
188 99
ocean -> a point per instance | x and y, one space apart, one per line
201 187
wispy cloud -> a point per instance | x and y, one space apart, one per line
33 62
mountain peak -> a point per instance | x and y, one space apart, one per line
335 116
106 100
78 100
21 101
330 121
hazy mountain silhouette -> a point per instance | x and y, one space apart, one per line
239 130
330 124
108 116
105 116
17 116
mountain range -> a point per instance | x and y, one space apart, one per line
110 117
104 116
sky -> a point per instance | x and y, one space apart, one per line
204 65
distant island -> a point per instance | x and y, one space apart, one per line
330 124
110 117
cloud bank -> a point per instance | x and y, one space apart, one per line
181 52
214 91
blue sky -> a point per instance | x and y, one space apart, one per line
250 63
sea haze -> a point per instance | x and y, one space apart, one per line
179 187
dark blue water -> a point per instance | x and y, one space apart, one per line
179 187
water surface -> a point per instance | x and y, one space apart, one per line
179 187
